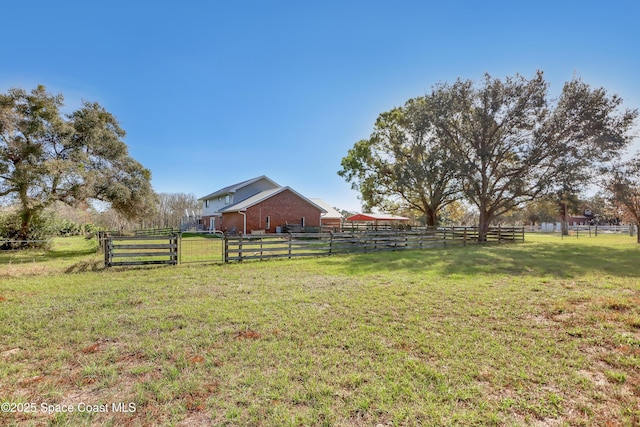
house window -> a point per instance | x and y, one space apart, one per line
302 221
227 199
267 223
206 203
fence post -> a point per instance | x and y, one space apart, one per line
464 238
240 248
225 248
174 241
107 251
289 245
330 242
176 238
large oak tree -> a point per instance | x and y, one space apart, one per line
46 156
402 165
513 144
509 143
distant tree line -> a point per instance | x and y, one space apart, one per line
60 219
168 211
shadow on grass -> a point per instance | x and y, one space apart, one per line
55 254
25 256
64 248
82 266
522 259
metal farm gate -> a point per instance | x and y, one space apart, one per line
201 247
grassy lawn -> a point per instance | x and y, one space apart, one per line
546 332
66 255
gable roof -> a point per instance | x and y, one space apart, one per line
263 195
235 187
331 212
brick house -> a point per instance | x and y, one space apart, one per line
258 205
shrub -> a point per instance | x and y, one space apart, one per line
42 228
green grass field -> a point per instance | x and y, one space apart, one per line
545 332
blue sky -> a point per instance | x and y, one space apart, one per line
211 93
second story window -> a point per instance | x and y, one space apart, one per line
227 199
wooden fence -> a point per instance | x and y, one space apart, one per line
584 230
140 250
145 250
290 245
167 231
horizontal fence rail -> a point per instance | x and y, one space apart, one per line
140 250
292 245
168 231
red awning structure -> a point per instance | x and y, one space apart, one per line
376 217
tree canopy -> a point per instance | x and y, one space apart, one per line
46 156
505 143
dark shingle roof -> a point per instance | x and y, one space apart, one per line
235 187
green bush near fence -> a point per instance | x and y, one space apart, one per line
43 227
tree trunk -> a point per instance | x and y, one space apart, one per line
431 217
483 225
564 226
25 224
